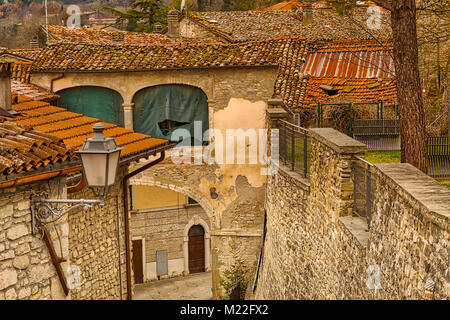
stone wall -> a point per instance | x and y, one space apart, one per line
94 245
26 270
192 30
316 248
165 229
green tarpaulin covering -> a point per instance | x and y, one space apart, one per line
97 102
180 104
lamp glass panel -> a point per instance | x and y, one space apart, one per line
95 168
112 170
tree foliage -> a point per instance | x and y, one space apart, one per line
141 16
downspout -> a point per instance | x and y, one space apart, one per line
126 219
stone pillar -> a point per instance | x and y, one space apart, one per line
186 255
332 155
128 115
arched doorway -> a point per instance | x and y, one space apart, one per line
161 109
97 102
196 249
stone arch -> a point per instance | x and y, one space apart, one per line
197 220
201 199
94 101
159 109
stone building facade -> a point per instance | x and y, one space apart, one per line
317 248
97 245
26 269
163 223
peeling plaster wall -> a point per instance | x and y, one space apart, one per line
237 99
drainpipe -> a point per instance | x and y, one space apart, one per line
126 219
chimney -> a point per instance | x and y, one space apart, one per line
157 28
307 11
5 86
173 27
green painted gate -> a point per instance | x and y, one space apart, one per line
97 102
160 110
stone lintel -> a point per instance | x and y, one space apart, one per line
275 102
422 188
339 142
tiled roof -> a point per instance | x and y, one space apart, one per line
74 128
25 91
350 61
88 57
27 54
104 37
23 149
348 66
333 90
20 71
241 26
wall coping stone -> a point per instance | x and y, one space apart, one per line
339 142
357 228
277 113
304 183
420 188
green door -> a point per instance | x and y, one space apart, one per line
160 110
97 102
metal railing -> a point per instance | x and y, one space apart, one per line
294 147
438 156
378 135
363 188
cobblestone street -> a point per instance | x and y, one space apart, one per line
193 287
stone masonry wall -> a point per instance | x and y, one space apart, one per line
26 270
94 245
316 248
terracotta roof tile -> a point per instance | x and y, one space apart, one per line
104 37
53 129
241 26
88 57
23 150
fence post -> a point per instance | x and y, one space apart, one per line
368 195
305 154
293 148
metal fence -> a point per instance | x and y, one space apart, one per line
378 135
294 147
363 189
438 156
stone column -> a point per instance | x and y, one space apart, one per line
332 155
128 115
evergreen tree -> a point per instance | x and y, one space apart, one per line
142 15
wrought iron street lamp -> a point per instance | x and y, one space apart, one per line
100 161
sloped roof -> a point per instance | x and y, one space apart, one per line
354 60
347 66
241 26
74 128
69 57
23 149
20 71
105 37
24 91
349 90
